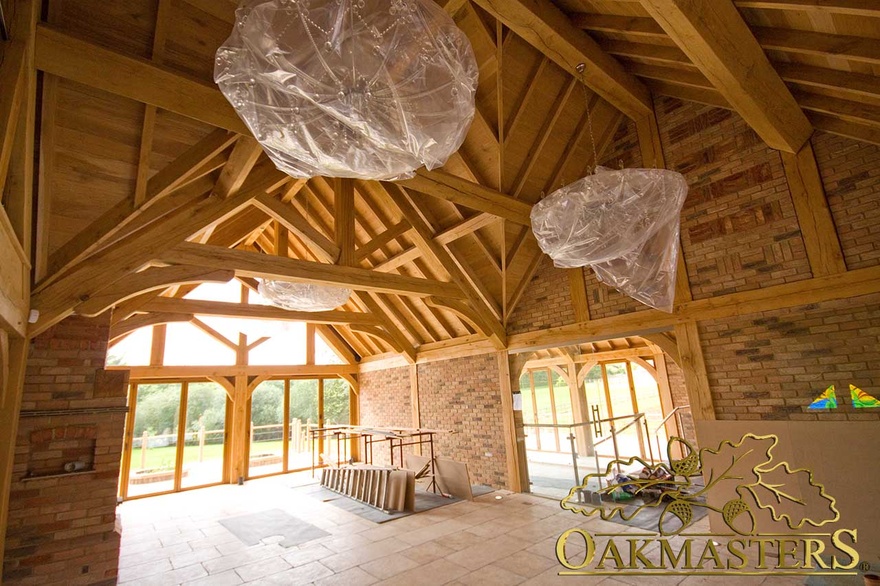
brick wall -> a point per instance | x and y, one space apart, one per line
680 398
771 365
546 303
623 150
605 301
850 171
464 395
739 230
385 401
61 527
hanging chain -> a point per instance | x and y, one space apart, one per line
580 69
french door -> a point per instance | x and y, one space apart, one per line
175 438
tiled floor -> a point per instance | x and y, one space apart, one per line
176 539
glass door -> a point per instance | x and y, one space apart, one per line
204 435
266 455
152 454
176 437
336 411
303 416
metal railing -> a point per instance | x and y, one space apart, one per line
674 413
638 420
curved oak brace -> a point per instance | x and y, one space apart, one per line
646 365
585 369
666 343
150 280
354 385
256 381
227 386
460 309
562 373
142 321
379 334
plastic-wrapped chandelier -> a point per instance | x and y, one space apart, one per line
367 89
624 224
303 296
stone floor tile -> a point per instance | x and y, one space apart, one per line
388 566
175 538
304 574
298 556
350 577
363 554
487 552
262 568
152 568
227 578
491 575
194 557
426 553
527 564
153 555
432 532
434 574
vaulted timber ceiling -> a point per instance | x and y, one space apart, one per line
147 187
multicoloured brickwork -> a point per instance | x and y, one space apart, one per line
771 365
460 395
546 303
739 230
464 395
62 527
850 171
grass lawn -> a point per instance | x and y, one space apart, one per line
164 457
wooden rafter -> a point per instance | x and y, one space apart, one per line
849 47
424 236
58 299
264 312
543 136
445 237
117 219
813 212
66 56
242 159
720 43
437 320
252 264
333 338
150 280
373 303
849 7
382 240
379 334
148 126
141 321
547 29
344 221
291 219
460 309
469 194
13 81
834 125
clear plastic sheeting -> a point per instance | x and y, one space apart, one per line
367 89
303 296
624 224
